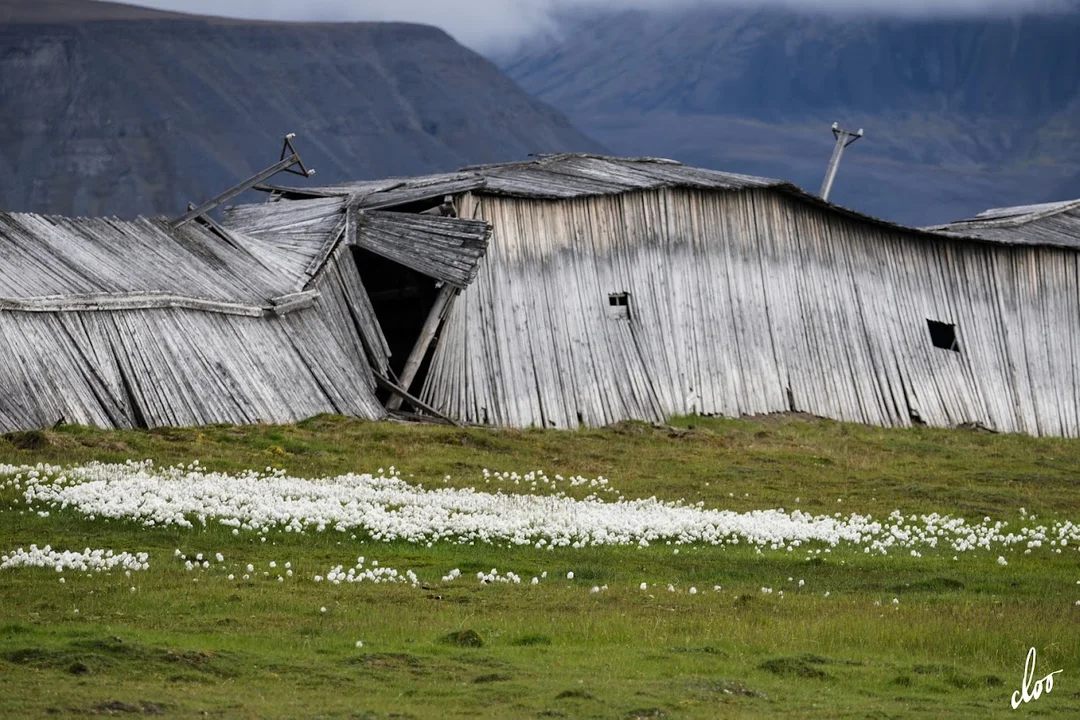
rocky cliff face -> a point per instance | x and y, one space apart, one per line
960 113
125 111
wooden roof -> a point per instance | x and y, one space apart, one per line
569 176
1056 223
50 263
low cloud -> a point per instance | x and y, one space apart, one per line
484 24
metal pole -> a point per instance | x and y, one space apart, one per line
843 139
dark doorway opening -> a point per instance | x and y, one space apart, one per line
402 299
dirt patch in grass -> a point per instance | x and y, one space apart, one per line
38 440
574 695
463 638
531 640
937 585
492 678
703 650
727 687
795 667
116 707
388 661
83 657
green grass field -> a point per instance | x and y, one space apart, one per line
195 644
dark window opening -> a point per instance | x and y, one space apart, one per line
943 335
402 299
619 305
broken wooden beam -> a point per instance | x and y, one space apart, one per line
420 404
423 342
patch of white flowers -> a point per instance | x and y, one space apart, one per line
87 561
495 577
388 509
373 574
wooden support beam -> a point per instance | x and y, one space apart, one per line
420 404
289 157
427 334
236 190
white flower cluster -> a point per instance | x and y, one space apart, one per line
374 574
495 577
86 561
388 508
538 480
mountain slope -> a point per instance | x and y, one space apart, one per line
959 113
108 109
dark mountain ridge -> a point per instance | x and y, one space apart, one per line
960 112
111 113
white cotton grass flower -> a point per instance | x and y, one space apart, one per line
535 581
388 508
693 591
1002 561
359 643
322 609
570 575
219 557
643 586
595 589
87 561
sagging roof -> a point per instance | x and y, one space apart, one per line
445 248
1056 223
567 176
552 177
57 264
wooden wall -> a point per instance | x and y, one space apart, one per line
752 302
180 367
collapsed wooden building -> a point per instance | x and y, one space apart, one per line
618 289
144 324
563 291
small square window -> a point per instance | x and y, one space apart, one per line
943 335
619 305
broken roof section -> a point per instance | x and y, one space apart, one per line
137 324
1056 223
57 263
445 248
552 177
567 176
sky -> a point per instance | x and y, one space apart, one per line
489 24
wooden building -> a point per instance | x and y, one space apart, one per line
640 288
142 324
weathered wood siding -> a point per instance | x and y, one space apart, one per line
170 367
120 324
752 302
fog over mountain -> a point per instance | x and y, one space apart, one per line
488 25
960 113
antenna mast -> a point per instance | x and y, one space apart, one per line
843 139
